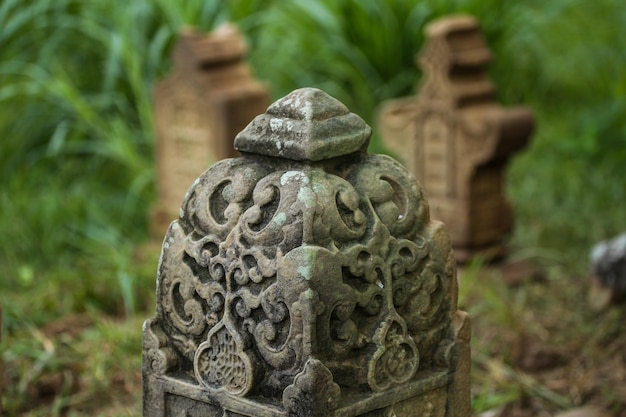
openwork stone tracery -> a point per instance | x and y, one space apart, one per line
306 279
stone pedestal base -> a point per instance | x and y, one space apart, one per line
171 397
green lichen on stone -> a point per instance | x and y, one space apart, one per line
280 219
307 196
306 271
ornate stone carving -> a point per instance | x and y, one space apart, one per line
306 278
313 391
456 139
199 109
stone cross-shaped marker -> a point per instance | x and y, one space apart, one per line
209 97
304 279
456 139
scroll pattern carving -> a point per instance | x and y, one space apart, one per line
307 282
229 317
158 357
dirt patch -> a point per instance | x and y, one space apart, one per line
541 347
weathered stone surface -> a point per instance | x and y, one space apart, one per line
199 109
306 278
457 140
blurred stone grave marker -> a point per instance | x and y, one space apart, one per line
304 279
457 140
208 98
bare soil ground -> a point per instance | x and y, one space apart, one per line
539 349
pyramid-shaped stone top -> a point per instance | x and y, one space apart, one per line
307 124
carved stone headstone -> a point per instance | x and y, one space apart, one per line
209 97
457 140
304 279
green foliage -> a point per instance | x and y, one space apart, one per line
333 47
76 163
569 186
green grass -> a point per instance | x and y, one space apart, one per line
83 365
77 172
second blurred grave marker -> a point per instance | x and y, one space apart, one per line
459 139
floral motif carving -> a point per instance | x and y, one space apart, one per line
220 363
396 359
313 392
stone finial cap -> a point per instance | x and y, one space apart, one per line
307 124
